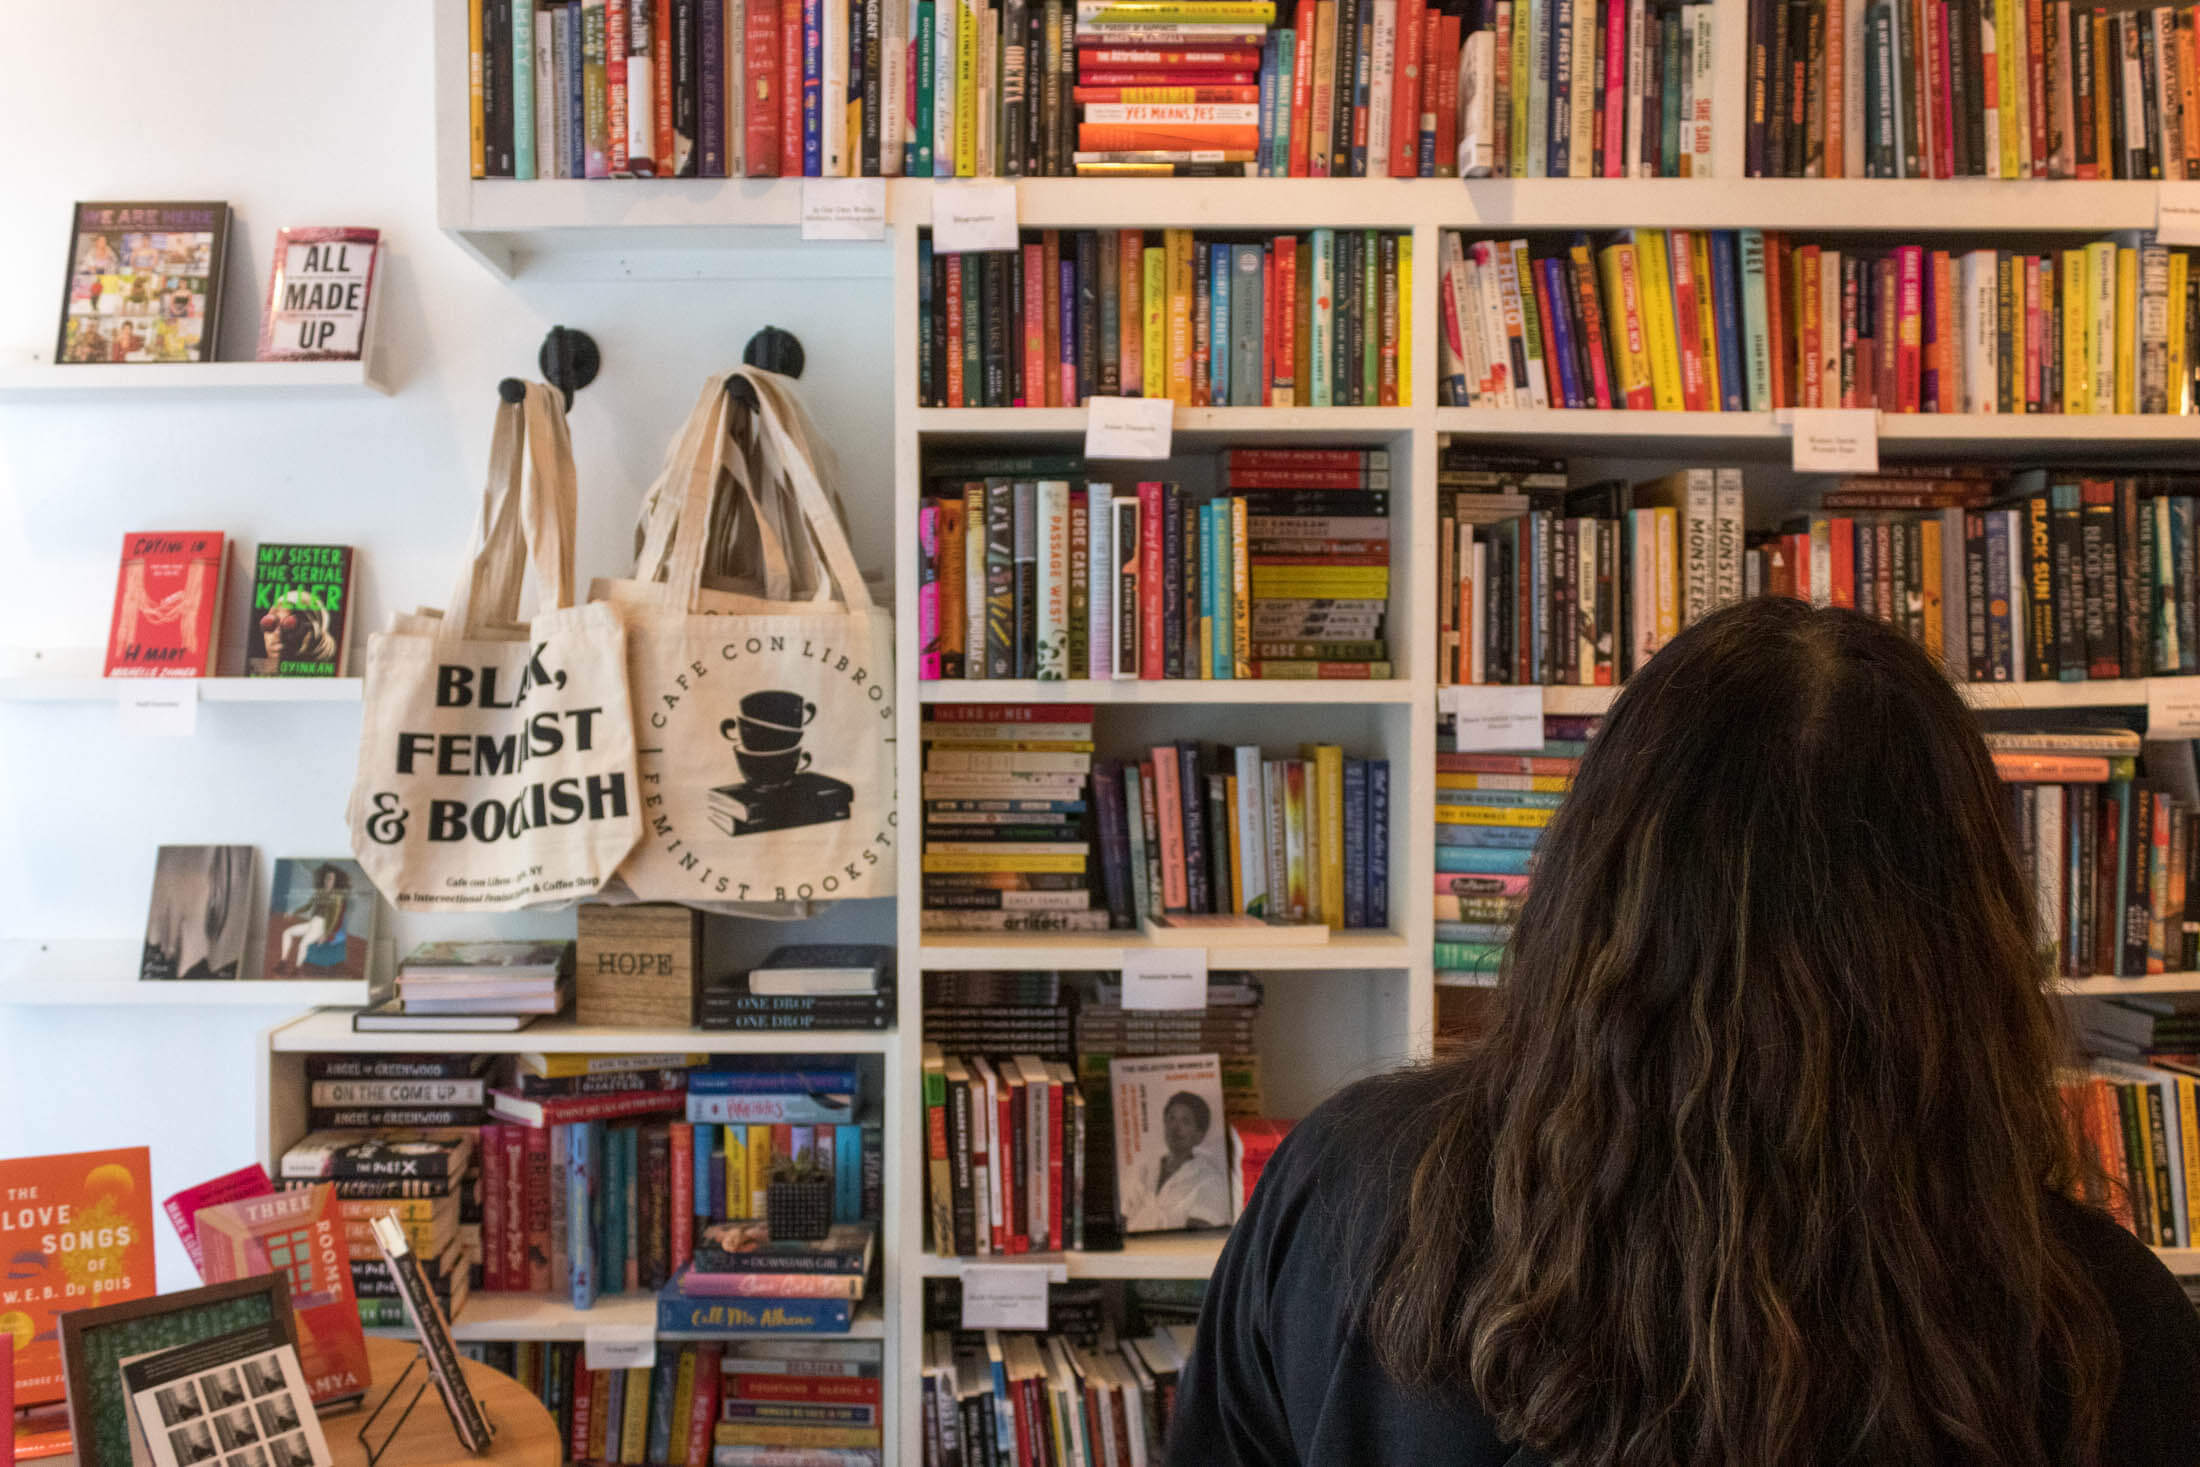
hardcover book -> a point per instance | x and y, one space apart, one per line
319 294
201 916
298 623
168 597
299 1234
77 1230
144 283
1171 1154
183 1208
322 918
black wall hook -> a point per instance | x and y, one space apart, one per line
568 361
775 351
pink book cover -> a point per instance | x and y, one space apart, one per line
928 593
299 1235
319 292
183 1208
1169 804
1615 89
1449 883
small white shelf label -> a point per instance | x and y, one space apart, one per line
973 216
2177 214
1498 719
620 1346
844 208
1837 440
2173 708
1128 427
1006 1295
159 708
1165 978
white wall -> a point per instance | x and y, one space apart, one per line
296 112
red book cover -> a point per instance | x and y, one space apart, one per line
1009 1236
1150 661
299 1235
615 16
1592 331
584 1412
535 1149
513 1144
1227 58
1132 257
168 604
1406 105
1058 1143
1009 713
1155 76
1687 322
683 1194
1035 327
1540 303
1841 539
1302 88
1061 381
77 1230
1778 324
1287 315
1447 86
183 1208
660 57
7 1397
1169 799
760 68
2035 81
703 1411
790 88
2037 269
493 1221
558 1110
1910 326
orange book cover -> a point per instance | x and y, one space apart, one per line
1807 322
77 1230
1108 137
299 1234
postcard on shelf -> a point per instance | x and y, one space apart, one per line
1171 1155
77 1231
322 920
240 1397
298 1233
298 623
144 284
168 598
202 914
183 1208
319 295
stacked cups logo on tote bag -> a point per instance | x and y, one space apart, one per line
496 764
762 673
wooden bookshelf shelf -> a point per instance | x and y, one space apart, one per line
331 1032
1148 1256
88 972
1100 951
2184 1262
548 1317
2154 985
313 378
1251 692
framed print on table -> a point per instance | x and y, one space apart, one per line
95 1342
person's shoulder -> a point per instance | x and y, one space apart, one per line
1362 1142
2151 1307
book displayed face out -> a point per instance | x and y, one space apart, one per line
201 916
144 283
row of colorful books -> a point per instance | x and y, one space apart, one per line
1578 89
1491 810
2140 1124
429 1178
1754 320
722 1403
1106 1401
1321 318
1008 848
173 597
1286 576
1970 89
1195 831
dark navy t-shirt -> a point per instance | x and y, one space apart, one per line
1282 1376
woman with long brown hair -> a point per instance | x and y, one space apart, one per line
1761 1163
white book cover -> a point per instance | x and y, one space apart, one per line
1039 1098
2135 118
1099 582
1474 336
1322 324
1637 77
1496 340
1478 105
2168 76
1516 293
1726 549
945 17
735 145
2015 543
547 154
1252 836
833 126
1979 347
1382 61
1053 580
2154 307
641 91
974 588
1699 90
1275 828
1171 1158
1955 621
1586 533
1829 334
2048 858
1582 91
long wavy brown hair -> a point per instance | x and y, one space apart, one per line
1755 1164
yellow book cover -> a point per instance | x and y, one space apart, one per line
478 134
2100 317
407 1210
634 1430
2180 380
737 1171
1180 316
599 1420
1505 815
2148 1197
1929 572
1699 250
573 1066
760 1167
1154 303
2188 1141
963 865
772 1434
966 90
1248 13
1654 286
1241 588
683 1393
1237 857
1327 837
1549 784
1206 627
1356 581
2077 382
1623 319
2007 79
2127 327
1405 320
1666 570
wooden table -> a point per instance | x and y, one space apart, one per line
527 1434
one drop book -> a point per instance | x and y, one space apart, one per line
1171 1152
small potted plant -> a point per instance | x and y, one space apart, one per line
798 1200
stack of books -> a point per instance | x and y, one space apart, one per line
1316 555
1007 842
1752 320
424 1177
1971 89
1573 89
817 1403
1321 318
741 1279
998 1386
1194 835
408 1092
807 986
1169 87
1490 813
475 987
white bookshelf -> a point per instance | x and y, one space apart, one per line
2130 692
102 972
327 379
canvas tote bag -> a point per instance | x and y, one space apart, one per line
496 761
762 671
